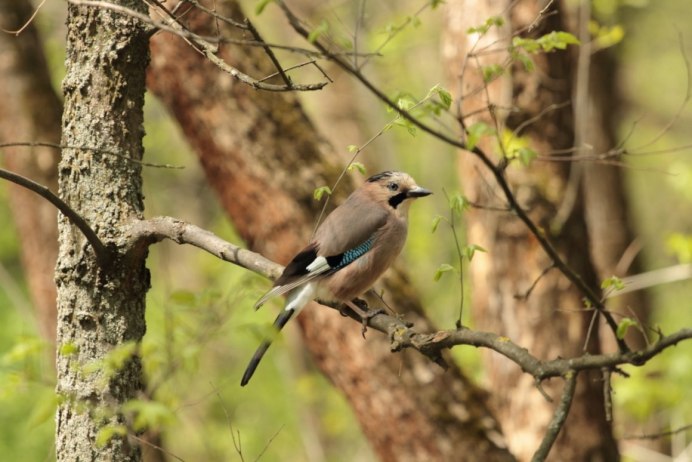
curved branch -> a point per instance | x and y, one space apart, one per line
100 250
497 171
401 333
180 232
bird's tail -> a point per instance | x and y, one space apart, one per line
279 323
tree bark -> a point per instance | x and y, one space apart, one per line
550 321
100 306
30 111
264 158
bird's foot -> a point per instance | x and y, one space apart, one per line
360 307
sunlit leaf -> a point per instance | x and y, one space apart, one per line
321 191
436 223
318 31
624 325
442 269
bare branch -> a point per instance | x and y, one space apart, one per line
100 250
208 49
401 333
157 229
559 417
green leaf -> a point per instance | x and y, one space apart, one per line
525 60
318 31
444 96
526 155
557 40
405 123
261 5
184 298
680 245
471 249
436 223
623 327
475 132
68 349
443 268
493 21
352 148
357 166
459 203
405 102
107 433
606 36
527 44
492 72
321 191
148 414
613 282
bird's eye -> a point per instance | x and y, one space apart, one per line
393 187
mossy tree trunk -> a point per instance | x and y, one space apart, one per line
100 304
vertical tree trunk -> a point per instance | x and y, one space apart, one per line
30 111
264 159
550 321
100 307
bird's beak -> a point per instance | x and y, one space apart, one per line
418 192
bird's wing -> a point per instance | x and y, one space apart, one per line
344 236
304 267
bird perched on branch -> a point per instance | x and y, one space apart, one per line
354 245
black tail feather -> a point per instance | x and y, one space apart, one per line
279 323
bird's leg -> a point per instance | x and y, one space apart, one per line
360 307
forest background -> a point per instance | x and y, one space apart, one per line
200 325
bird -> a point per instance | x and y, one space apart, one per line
350 250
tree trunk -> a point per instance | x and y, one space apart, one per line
264 159
30 111
100 307
550 321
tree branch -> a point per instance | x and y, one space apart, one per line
180 232
401 333
559 418
103 256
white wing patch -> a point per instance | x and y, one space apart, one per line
318 266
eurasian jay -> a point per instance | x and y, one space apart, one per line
351 249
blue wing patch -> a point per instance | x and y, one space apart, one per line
339 261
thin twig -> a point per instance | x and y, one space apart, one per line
528 291
269 53
655 436
559 417
205 47
28 21
33 144
607 394
100 250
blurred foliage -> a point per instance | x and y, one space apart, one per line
201 327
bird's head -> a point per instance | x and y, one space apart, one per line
394 189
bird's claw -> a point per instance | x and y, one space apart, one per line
367 316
